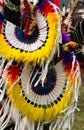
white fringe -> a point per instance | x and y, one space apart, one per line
55 48
38 126
41 65
2 83
6 112
26 77
22 123
16 116
2 91
31 125
1 65
41 127
67 120
45 67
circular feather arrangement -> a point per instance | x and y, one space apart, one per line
39 73
39 46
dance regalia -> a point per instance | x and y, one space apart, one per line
39 76
77 32
75 29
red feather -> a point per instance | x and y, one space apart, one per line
13 72
56 2
0 28
47 8
1 4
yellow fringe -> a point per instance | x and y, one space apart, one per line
38 114
28 57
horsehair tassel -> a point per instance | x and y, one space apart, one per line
30 21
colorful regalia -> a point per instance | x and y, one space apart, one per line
39 72
74 26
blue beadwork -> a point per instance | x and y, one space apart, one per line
49 84
20 36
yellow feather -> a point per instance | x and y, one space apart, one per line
37 56
35 113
